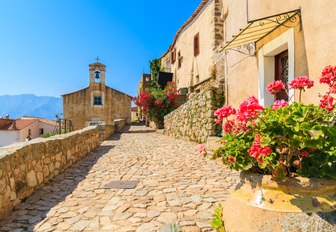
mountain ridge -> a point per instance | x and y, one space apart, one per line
20 105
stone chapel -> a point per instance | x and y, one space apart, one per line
96 103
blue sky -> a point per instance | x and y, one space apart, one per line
46 45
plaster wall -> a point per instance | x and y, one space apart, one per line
313 44
9 137
200 65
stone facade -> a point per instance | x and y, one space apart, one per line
97 103
24 167
194 120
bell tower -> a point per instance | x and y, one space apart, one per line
97 73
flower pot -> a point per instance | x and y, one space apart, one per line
295 204
160 125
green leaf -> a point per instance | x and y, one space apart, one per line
216 223
316 134
265 141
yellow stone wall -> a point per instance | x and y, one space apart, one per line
25 167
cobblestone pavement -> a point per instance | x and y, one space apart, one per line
176 185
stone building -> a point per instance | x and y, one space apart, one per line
22 129
191 55
96 103
235 48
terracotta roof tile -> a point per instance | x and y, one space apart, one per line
18 124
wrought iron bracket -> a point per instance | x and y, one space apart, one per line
246 49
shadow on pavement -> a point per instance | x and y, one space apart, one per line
34 209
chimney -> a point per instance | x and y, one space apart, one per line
7 116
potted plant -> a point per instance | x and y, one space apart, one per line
285 141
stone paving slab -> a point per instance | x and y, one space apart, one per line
176 185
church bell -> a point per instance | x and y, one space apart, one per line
97 74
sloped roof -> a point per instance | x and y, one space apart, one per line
17 124
43 120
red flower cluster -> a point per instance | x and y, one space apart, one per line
326 102
250 108
328 77
224 112
156 103
144 99
257 151
275 87
171 92
305 154
279 104
231 159
229 126
301 83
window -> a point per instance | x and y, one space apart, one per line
97 100
179 59
173 56
196 45
41 131
29 131
281 73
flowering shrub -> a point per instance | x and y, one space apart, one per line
156 103
282 139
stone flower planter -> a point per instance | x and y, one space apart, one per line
296 204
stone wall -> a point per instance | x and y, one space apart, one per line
24 167
194 120
119 124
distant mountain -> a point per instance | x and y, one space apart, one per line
30 105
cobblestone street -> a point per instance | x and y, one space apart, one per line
175 185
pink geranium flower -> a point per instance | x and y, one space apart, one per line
224 112
257 150
326 102
301 83
202 149
279 104
275 87
250 108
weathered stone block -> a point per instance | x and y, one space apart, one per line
31 179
